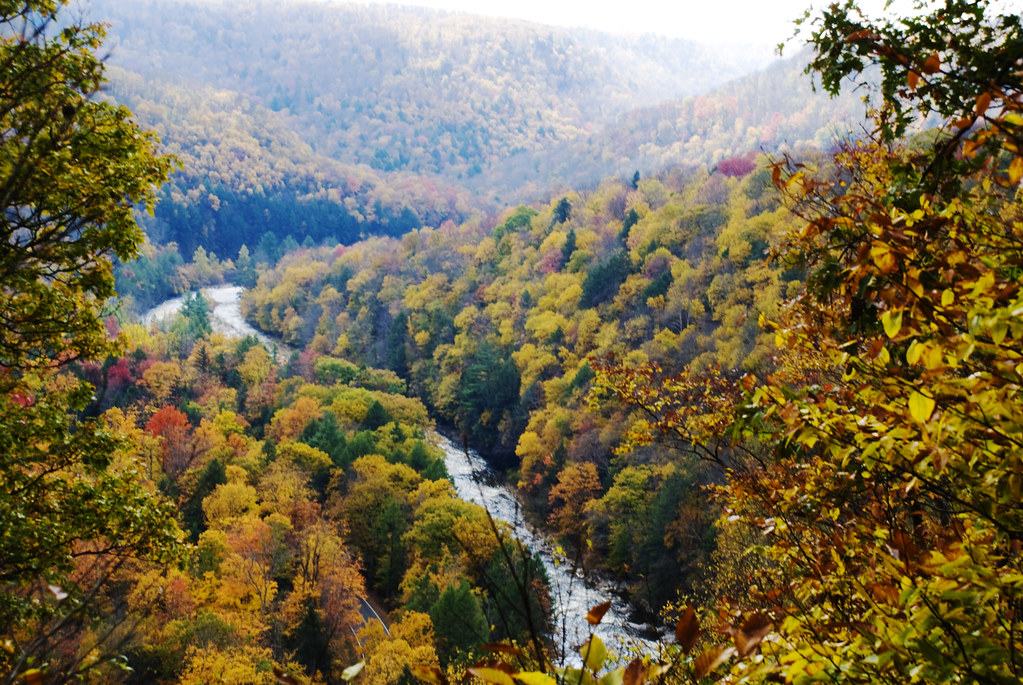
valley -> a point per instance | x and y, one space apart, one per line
585 358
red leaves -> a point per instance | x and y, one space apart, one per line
167 420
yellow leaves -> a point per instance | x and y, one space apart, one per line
892 322
926 352
999 328
882 256
913 283
1015 170
496 676
594 653
920 406
534 678
352 671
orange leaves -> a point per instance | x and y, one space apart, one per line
595 614
932 64
983 102
635 673
711 659
688 630
1016 171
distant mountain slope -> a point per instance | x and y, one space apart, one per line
770 111
404 88
245 173
327 122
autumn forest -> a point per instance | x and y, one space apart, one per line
736 337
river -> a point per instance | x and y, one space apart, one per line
573 594
225 317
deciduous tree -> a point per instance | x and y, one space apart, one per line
72 171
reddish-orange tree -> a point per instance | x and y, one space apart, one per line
882 457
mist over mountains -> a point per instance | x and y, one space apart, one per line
333 121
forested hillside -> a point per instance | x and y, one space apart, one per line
327 122
496 325
774 111
404 88
245 173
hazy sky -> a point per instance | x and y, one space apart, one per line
713 21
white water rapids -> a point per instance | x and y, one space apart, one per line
573 594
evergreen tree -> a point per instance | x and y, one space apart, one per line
458 622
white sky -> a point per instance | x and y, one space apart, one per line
766 22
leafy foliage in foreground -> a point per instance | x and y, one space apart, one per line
74 515
881 459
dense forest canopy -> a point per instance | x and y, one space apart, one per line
405 88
